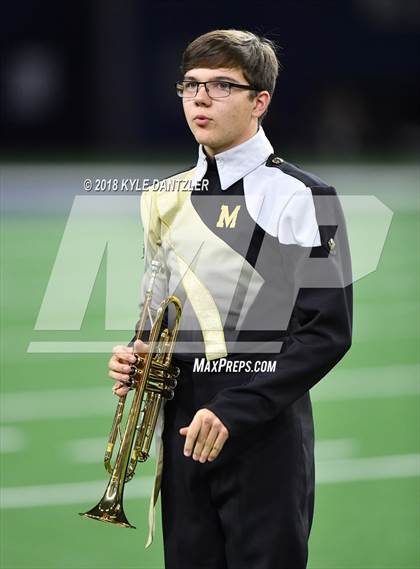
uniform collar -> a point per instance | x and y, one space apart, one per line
237 162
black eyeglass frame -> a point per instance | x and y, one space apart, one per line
230 83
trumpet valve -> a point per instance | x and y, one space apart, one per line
171 382
167 394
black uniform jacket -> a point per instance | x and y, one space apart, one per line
257 251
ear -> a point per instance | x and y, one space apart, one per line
261 102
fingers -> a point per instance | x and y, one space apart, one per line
192 434
119 365
217 446
120 349
119 368
120 390
121 362
208 445
126 356
120 377
203 431
123 354
205 436
119 371
140 347
209 448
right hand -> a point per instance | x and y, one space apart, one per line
123 357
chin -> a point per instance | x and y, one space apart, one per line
203 138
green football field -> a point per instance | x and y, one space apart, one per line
56 411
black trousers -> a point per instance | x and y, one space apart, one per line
252 507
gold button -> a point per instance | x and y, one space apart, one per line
277 160
331 244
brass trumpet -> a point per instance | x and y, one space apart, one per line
153 378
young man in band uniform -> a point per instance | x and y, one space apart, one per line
260 261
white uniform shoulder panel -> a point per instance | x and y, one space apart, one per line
282 205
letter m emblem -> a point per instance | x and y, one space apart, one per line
227 219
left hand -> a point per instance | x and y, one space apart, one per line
206 435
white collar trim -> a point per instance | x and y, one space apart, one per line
237 162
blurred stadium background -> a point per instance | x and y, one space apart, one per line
87 92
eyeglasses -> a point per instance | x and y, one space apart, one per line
215 89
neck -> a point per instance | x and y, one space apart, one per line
211 151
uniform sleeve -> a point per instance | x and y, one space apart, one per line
319 331
152 242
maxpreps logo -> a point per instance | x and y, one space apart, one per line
103 235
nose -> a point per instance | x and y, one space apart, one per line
202 95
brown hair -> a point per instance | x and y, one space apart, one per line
254 55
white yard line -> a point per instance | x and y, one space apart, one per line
365 331
368 382
64 347
91 451
371 468
327 449
88 493
85 451
58 404
11 440
340 385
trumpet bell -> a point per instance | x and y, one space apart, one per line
112 513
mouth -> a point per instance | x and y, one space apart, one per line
201 120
